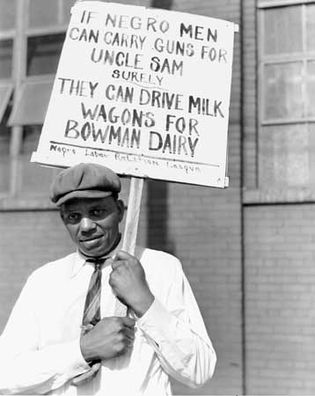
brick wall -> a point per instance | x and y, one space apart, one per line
280 299
201 226
204 227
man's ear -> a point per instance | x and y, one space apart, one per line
121 209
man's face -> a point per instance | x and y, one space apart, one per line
93 223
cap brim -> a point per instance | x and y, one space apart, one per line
83 194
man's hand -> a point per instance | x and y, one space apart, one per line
129 284
109 338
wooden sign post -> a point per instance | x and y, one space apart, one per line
131 227
133 212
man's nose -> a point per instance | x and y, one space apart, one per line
87 224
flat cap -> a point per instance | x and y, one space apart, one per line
84 181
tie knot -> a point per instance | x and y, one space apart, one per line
98 263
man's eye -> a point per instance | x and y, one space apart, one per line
73 218
97 213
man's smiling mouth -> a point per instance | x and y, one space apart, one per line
94 238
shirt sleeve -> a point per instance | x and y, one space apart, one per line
177 333
24 367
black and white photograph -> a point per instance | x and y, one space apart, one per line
157 197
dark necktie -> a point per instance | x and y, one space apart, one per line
92 312
92 308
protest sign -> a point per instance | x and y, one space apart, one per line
145 92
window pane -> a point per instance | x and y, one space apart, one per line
283 91
311 148
310 88
32 104
5 94
7 14
283 30
50 12
43 54
310 27
31 135
43 13
36 179
5 135
284 156
4 140
6 50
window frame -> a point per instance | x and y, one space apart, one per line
261 193
13 198
304 56
8 34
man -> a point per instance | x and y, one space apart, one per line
63 336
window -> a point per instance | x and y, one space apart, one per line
6 85
7 33
43 13
7 15
31 37
6 49
286 94
33 174
31 105
43 54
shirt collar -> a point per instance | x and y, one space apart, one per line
80 259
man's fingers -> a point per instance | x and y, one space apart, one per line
129 322
116 263
119 257
130 334
122 255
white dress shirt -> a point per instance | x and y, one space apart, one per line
40 346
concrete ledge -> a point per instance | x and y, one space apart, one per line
278 196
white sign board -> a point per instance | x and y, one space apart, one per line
145 92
